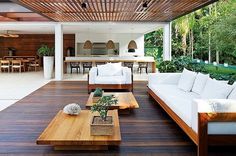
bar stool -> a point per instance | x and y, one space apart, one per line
75 65
129 65
87 65
142 65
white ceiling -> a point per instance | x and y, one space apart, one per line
83 27
12 7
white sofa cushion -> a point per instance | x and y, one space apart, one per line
110 69
186 80
128 75
110 80
176 99
216 90
232 95
163 78
200 83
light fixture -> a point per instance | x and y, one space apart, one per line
132 45
8 34
83 5
110 45
88 44
145 5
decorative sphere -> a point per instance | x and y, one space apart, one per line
72 109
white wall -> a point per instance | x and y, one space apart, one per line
122 39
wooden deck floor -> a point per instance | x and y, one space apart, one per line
146 131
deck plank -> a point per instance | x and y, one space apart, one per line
146 131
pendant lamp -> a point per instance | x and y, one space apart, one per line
132 45
88 44
110 45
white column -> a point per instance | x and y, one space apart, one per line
167 42
58 52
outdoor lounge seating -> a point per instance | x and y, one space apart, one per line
177 94
110 76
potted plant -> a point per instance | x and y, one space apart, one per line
48 60
11 51
97 94
102 124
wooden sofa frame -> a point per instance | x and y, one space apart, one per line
202 139
111 86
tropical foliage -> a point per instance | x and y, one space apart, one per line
206 34
178 64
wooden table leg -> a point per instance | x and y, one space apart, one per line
153 67
65 67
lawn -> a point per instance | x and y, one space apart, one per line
221 69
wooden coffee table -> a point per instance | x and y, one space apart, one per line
66 132
126 100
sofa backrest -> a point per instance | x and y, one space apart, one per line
110 69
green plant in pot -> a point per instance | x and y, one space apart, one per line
97 94
44 50
103 124
48 60
103 104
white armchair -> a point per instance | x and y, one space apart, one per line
110 76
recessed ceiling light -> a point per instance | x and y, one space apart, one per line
84 5
145 5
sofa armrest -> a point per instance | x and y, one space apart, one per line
127 74
163 78
92 75
211 106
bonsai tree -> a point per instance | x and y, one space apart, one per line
44 50
98 92
103 105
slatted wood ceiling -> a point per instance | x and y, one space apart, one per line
113 10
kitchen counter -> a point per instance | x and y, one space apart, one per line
113 59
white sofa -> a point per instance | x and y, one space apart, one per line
110 76
183 106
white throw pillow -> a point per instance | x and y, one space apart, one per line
116 69
232 95
110 69
104 70
200 83
186 80
216 90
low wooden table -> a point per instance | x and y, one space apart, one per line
126 101
66 132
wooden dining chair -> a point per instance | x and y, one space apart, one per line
5 64
33 64
16 65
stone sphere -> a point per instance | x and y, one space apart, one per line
72 109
